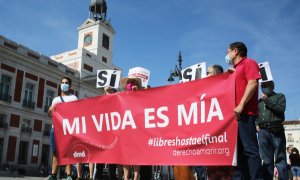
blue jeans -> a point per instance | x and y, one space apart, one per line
295 171
201 172
249 162
271 145
52 141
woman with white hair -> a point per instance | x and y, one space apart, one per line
131 83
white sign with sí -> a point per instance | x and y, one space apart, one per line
197 71
265 72
107 77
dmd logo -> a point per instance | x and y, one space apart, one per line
78 151
79 154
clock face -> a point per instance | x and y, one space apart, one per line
87 40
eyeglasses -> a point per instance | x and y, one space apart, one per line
64 82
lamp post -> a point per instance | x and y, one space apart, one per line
177 70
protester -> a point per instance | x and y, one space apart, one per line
246 111
217 172
201 171
186 172
131 83
146 172
295 163
43 170
288 152
271 136
112 172
183 173
112 167
214 70
65 96
213 172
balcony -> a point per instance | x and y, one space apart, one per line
5 97
26 129
28 103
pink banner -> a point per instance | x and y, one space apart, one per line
184 124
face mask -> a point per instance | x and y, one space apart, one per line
64 87
266 91
228 60
129 86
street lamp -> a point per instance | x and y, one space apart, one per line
177 70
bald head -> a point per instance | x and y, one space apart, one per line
214 70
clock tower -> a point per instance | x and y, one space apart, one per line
96 33
95 44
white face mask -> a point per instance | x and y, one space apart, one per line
64 87
228 60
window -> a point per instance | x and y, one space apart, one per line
49 99
70 72
3 123
104 59
11 46
37 57
47 129
52 64
26 126
88 67
5 88
45 154
23 152
88 55
28 98
290 138
105 41
1 147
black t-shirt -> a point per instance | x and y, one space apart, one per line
295 159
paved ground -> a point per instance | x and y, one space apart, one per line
23 178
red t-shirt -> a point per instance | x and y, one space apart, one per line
247 69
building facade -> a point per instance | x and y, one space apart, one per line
292 133
29 81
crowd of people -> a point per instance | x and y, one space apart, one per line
261 142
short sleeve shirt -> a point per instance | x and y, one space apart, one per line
67 98
246 70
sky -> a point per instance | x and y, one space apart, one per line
151 33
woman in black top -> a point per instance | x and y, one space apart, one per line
295 163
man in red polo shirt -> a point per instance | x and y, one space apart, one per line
246 111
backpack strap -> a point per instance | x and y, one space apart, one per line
62 99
